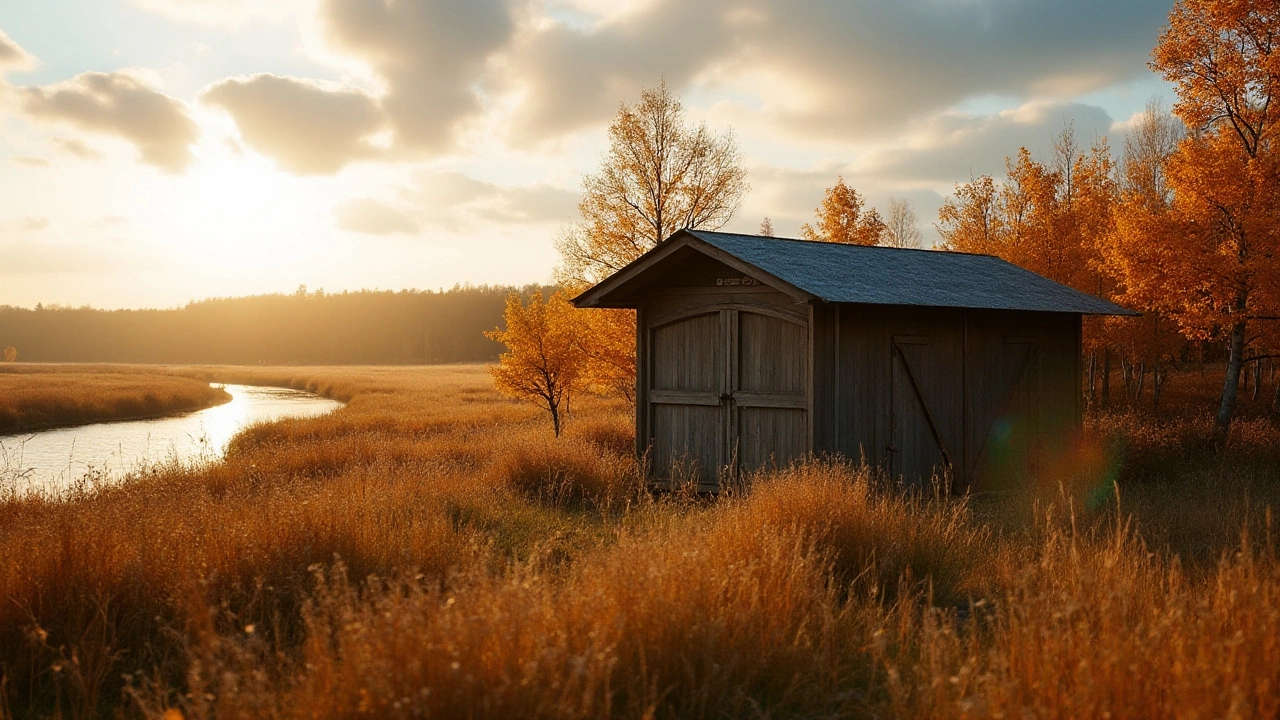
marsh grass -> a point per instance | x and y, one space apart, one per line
432 550
34 397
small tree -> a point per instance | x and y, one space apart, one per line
544 362
766 227
11 354
901 229
841 219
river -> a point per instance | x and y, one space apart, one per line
54 460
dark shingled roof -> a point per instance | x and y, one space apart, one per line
894 276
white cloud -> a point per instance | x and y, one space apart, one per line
307 128
123 105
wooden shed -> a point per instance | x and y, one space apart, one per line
754 351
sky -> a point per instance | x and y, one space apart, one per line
154 152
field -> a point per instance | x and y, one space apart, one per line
42 396
431 550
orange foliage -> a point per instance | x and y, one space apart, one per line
1044 218
841 219
544 362
1211 256
609 343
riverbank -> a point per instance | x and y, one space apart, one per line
432 550
43 397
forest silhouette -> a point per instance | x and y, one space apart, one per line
364 327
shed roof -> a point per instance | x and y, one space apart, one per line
835 272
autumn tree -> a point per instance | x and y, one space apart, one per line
901 229
766 227
1046 217
544 362
1212 261
11 354
1151 342
842 218
660 174
971 220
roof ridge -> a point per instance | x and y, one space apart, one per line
828 242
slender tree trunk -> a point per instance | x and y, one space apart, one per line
1159 377
555 418
1139 382
1106 376
1275 400
1231 384
1093 366
1257 379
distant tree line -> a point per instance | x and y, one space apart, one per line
365 327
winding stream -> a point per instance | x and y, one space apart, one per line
54 460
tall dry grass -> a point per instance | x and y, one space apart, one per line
34 397
432 550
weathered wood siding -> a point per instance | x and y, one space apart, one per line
985 393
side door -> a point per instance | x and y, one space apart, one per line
926 405
1008 422
769 368
687 413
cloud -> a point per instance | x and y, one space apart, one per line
950 147
77 148
306 128
29 161
366 215
35 223
430 54
458 202
573 74
857 69
12 56
122 105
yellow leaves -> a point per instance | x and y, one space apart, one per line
658 176
545 362
841 219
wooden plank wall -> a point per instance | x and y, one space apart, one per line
974 368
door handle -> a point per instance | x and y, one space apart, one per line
726 398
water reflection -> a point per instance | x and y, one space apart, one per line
56 459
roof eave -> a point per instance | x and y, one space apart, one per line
598 295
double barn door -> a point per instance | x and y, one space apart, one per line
728 393
967 413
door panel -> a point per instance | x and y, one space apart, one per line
770 437
1008 422
926 409
687 441
688 354
772 354
687 414
769 393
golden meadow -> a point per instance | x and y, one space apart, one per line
431 551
